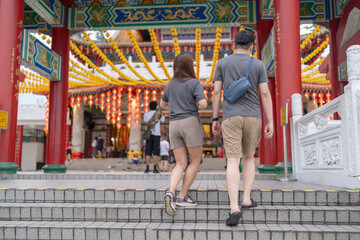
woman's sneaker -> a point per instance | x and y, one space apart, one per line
169 199
184 202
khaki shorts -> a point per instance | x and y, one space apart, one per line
241 136
186 132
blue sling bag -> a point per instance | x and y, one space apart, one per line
239 86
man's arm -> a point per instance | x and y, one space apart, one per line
216 105
164 105
267 106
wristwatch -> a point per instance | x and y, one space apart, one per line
214 119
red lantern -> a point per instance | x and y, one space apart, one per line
91 97
72 99
119 119
102 107
118 125
108 117
137 121
129 125
306 94
85 98
113 121
91 103
102 95
313 95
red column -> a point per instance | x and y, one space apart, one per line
19 141
337 88
268 150
234 31
288 64
158 34
11 25
58 105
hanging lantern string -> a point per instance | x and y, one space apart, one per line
158 53
175 39
216 52
110 63
142 57
198 51
125 61
93 66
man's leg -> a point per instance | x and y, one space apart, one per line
248 178
233 182
155 163
192 169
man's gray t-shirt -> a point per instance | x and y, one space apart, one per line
183 98
228 70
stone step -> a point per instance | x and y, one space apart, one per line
188 231
121 176
203 196
344 215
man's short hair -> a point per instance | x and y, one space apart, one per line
153 105
244 40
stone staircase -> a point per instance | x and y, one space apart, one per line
285 211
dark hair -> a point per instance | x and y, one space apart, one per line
153 105
244 40
184 67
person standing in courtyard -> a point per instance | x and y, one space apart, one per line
99 146
93 145
241 123
183 96
153 117
164 154
68 153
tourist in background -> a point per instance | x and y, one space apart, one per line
183 96
164 154
99 146
153 144
68 153
93 145
241 126
136 161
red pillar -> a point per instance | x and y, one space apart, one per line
268 150
58 105
158 34
234 31
11 25
19 141
288 65
337 88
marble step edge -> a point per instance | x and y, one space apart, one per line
154 212
149 231
123 176
203 196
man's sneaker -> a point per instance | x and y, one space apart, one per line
155 171
146 170
169 199
184 202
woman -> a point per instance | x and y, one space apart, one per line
183 96
68 152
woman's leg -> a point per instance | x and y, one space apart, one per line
192 169
178 170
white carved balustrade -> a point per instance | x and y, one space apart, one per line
327 151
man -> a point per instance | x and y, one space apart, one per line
241 125
100 145
153 144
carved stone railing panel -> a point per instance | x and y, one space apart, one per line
328 151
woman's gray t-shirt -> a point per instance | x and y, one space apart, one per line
183 98
232 67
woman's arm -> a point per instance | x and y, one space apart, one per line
164 105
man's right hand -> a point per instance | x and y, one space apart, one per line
216 129
269 130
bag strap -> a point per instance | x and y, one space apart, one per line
249 67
